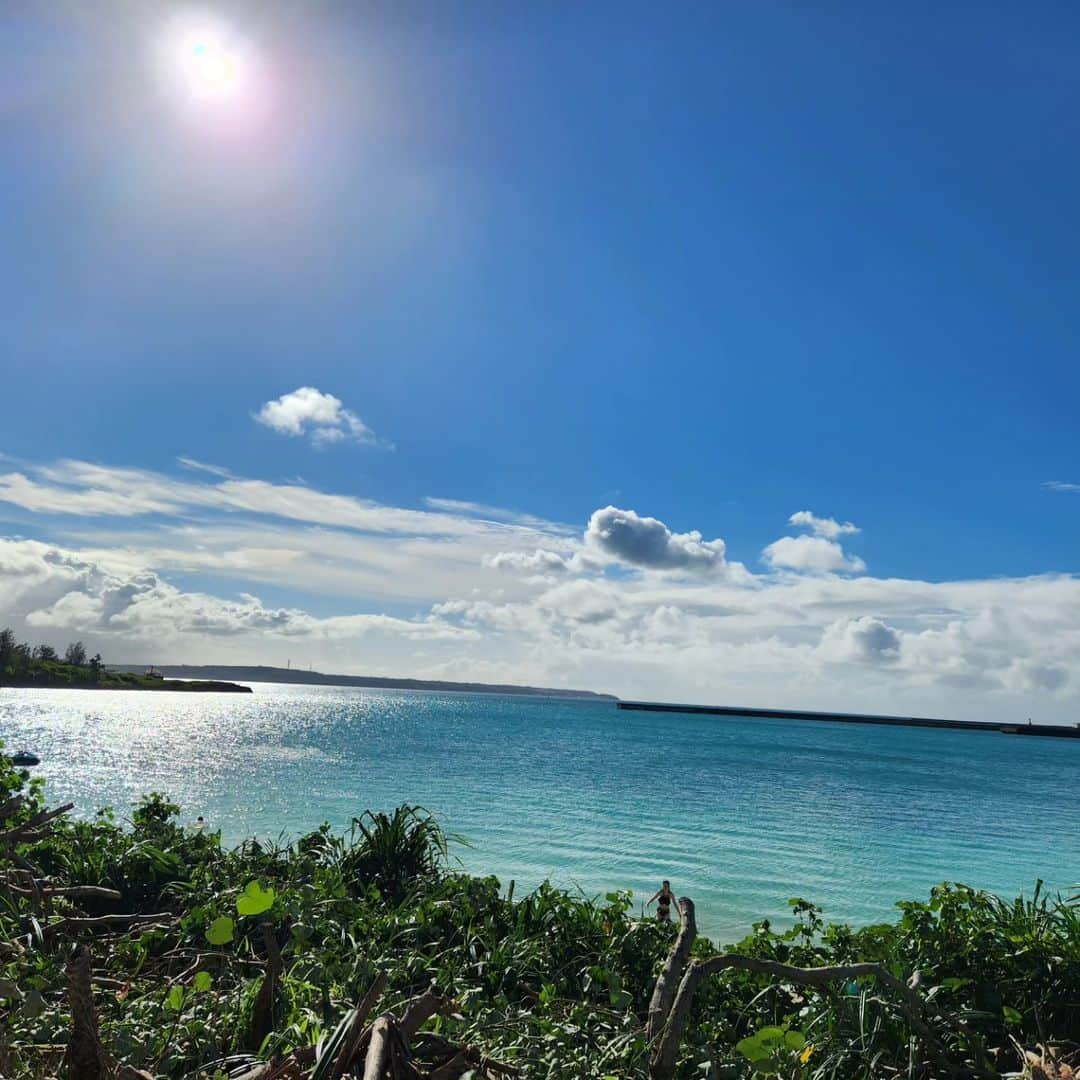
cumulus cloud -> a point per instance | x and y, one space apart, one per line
811 555
830 528
864 640
648 543
816 553
307 411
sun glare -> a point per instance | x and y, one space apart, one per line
205 59
211 69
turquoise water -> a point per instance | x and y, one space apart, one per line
739 814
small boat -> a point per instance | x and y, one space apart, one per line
24 757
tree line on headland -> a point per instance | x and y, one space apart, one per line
19 660
144 948
23 665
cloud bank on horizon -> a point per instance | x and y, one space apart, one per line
150 566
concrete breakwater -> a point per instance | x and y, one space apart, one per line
1061 731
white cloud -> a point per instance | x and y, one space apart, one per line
1061 485
201 466
83 489
60 590
536 562
812 555
830 528
863 640
819 553
307 411
493 513
636 609
645 542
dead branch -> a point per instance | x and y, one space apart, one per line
350 1047
420 1010
428 1045
665 1052
262 1016
100 921
32 826
73 892
85 1058
293 1067
667 982
378 1056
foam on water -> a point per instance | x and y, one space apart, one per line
740 814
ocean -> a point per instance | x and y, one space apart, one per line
740 814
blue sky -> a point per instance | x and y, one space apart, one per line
712 264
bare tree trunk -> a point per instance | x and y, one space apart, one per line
667 983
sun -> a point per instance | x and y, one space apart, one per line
212 70
205 60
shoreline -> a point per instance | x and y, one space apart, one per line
165 684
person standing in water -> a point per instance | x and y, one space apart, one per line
664 899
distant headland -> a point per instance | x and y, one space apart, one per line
41 667
260 673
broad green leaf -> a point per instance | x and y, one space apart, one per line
750 1048
794 1040
203 981
175 1000
770 1036
1012 1016
254 900
220 931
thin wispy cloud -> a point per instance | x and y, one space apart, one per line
1062 485
202 466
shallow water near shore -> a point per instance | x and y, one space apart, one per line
739 814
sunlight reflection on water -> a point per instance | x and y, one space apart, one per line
739 814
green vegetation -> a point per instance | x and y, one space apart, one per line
215 959
41 667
